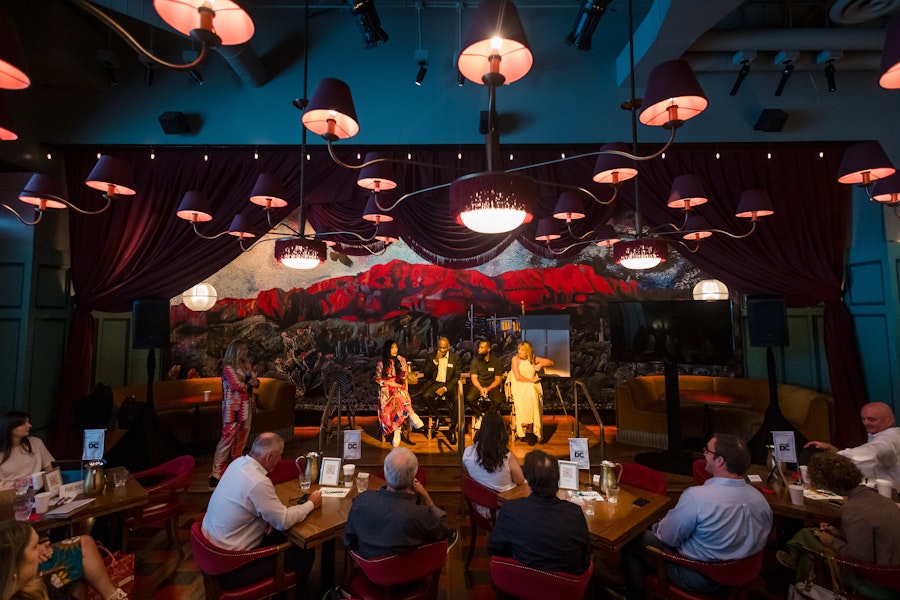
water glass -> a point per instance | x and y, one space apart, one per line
22 507
120 477
589 504
305 482
362 482
612 494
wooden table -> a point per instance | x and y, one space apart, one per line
612 525
780 501
196 402
113 500
324 525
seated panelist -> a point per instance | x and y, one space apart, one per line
441 385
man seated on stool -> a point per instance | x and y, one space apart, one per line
244 512
487 377
541 531
388 520
441 383
723 519
879 457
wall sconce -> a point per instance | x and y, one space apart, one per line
589 14
200 298
369 23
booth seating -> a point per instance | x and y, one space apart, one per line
275 402
733 405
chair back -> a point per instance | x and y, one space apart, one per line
213 560
170 476
476 493
643 477
736 573
513 578
884 575
285 470
698 469
398 569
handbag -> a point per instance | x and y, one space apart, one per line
120 568
65 566
809 590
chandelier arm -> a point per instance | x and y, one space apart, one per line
736 236
569 247
359 236
409 195
39 214
387 159
135 45
577 237
86 212
582 190
687 247
206 237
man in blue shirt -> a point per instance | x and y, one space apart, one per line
723 519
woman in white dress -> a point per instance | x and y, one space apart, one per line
489 461
525 387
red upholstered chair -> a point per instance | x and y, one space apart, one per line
285 470
476 493
513 578
699 471
885 575
643 477
738 575
213 561
411 576
164 484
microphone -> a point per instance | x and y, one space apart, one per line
247 377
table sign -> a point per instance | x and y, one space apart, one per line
352 444
93 444
568 475
70 490
578 452
331 471
785 446
334 492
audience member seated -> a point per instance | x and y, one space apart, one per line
441 382
527 394
22 555
879 457
388 520
869 531
20 455
489 461
541 531
486 376
244 512
723 519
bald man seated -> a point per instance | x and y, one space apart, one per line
879 457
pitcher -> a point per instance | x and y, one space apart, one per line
313 461
610 473
95 479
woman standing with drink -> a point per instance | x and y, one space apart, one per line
394 401
238 383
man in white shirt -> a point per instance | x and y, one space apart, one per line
879 457
244 512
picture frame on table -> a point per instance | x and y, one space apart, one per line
53 481
568 475
331 471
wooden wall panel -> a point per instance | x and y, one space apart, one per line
10 331
47 354
12 291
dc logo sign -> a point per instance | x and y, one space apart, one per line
93 445
352 445
579 454
784 447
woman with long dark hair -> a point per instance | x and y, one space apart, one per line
489 461
394 401
20 454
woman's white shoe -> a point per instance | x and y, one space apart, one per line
396 441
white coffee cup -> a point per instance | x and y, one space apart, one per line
42 502
884 487
206 395
37 480
804 476
796 493
349 470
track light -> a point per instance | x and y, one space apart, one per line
423 70
827 58
589 14
369 23
786 60
744 59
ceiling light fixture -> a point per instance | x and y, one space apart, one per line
710 290
111 175
369 23
12 59
890 57
200 298
211 23
589 14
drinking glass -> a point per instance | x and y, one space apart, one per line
362 482
589 506
120 477
612 494
305 482
22 507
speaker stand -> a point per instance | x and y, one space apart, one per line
675 459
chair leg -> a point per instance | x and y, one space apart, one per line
472 535
126 534
172 531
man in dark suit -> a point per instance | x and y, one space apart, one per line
441 379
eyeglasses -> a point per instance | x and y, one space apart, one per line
708 451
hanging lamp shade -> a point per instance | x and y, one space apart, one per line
606 236
241 227
330 112
864 163
268 192
569 207
890 56
8 125
200 298
887 189
642 253
754 204
42 191
113 176
493 201
378 176
388 232
687 191
696 227
614 168
12 59
495 45
194 207
673 95
213 22
710 290
300 253
375 214
546 231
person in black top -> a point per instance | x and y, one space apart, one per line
441 385
541 531
486 377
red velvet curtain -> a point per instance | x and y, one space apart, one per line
140 250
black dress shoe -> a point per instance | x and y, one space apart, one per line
531 439
404 437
